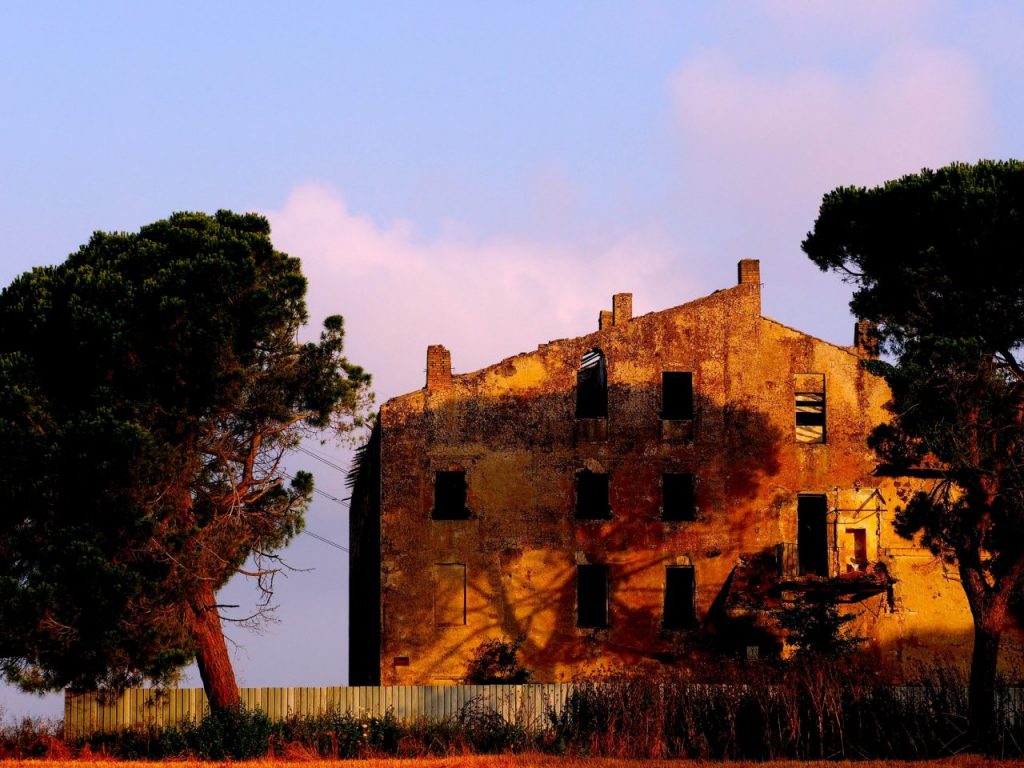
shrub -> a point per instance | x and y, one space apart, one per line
497 662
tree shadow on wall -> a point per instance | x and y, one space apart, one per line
522 541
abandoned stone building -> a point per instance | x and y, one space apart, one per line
660 486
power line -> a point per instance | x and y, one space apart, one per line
325 494
325 540
321 459
317 536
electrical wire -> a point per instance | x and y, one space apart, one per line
322 459
315 535
325 540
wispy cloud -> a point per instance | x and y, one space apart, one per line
483 298
759 147
775 143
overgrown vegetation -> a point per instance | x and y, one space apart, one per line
815 626
813 708
497 662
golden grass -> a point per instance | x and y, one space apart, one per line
523 761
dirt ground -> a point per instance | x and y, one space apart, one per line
529 761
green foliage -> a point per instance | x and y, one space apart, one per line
149 386
497 662
816 627
936 258
239 734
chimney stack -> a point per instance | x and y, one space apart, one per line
749 272
622 308
439 367
604 319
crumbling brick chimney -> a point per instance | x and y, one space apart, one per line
604 319
749 272
439 367
865 339
622 308
749 275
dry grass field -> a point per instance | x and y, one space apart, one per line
522 761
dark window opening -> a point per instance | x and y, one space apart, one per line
812 535
450 496
591 595
592 387
677 497
679 598
810 407
592 496
676 395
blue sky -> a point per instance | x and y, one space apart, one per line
482 175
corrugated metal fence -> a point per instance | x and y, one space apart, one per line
87 712
90 712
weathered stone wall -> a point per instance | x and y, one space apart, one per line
512 429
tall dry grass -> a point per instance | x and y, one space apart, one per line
815 710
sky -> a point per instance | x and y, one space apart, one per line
483 176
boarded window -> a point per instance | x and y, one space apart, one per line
450 597
592 496
679 594
676 395
810 407
812 535
592 595
677 497
450 496
592 387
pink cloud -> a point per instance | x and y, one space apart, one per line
771 144
485 299
850 20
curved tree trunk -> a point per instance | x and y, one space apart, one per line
211 651
988 609
981 691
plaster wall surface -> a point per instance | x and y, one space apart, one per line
512 429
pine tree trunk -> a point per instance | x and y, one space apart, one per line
211 651
981 691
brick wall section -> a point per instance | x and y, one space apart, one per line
749 272
439 367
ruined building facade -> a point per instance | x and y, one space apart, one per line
664 485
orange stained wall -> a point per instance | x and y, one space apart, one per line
510 568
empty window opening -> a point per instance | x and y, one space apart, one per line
677 497
450 596
858 549
450 496
812 535
679 598
592 496
591 595
592 387
810 407
676 395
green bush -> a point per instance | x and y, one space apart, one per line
238 734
